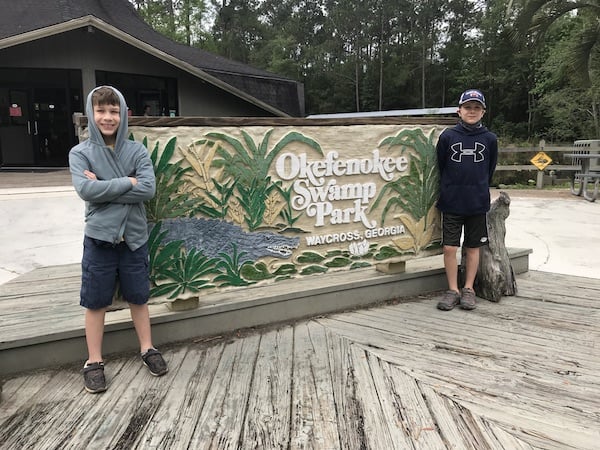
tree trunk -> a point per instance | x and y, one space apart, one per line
356 78
495 276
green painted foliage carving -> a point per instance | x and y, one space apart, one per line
170 200
231 269
416 192
248 164
220 200
339 261
313 269
386 252
287 212
285 269
413 194
310 257
174 271
256 272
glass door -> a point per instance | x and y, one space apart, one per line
35 127
52 140
17 128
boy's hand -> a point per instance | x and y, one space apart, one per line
133 180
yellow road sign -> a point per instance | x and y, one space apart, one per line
541 160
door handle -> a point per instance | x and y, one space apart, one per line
35 127
28 127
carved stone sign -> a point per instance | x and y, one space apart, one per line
239 205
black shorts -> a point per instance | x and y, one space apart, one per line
103 264
475 229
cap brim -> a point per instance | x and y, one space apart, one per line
472 100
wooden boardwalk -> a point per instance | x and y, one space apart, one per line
520 374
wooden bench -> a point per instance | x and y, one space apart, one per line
580 181
589 174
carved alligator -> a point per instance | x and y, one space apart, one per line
213 236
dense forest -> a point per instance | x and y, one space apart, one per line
537 61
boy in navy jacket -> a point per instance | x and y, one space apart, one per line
114 176
467 155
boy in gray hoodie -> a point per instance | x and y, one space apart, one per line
114 176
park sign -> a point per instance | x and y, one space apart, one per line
247 201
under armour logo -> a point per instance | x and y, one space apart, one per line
458 152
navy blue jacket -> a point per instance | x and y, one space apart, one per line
466 159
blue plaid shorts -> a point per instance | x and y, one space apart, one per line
104 265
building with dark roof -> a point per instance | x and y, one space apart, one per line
53 52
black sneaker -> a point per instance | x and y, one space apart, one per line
93 378
467 298
449 300
154 361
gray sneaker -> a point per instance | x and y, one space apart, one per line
93 378
467 298
449 300
154 361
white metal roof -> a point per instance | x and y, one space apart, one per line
397 112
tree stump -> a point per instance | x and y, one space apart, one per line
495 276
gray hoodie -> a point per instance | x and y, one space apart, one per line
114 207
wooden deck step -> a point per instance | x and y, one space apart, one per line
41 322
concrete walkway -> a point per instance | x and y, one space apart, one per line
43 226
40 227
562 230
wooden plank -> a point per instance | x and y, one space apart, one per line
493 347
506 405
492 321
44 289
138 404
410 400
56 406
539 426
558 279
557 322
18 392
267 423
378 433
433 367
466 425
350 414
444 414
235 397
501 437
534 150
531 167
493 340
497 344
105 413
313 415
220 421
162 429
186 401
